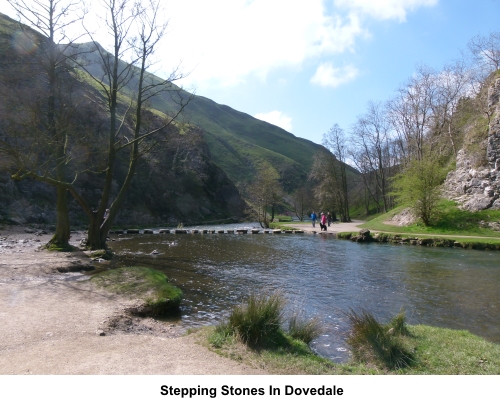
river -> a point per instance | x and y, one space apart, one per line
324 277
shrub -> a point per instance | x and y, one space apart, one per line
373 342
259 320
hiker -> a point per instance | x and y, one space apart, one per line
313 219
322 223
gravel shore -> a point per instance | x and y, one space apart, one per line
54 322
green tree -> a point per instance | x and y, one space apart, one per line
417 186
265 193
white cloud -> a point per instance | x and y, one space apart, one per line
276 118
329 76
224 42
384 9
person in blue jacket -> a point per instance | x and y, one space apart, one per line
313 219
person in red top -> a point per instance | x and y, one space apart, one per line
323 222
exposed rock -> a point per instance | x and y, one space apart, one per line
478 188
404 218
362 236
493 153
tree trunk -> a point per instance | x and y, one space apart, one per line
61 237
97 236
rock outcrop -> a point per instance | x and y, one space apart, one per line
478 188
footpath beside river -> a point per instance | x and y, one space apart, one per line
50 322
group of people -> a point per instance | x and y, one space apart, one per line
323 221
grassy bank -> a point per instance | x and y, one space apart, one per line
435 241
256 334
438 351
449 220
156 296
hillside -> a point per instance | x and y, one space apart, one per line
239 143
176 182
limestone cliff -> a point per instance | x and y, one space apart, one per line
478 188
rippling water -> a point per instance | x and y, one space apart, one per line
445 287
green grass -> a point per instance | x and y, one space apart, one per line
258 321
305 330
148 285
283 218
437 351
374 343
449 221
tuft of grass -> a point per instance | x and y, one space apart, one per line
258 321
305 330
372 342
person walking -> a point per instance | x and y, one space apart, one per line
329 219
313 219
322 223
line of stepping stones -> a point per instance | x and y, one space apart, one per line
205 231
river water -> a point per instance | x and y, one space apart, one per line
324 277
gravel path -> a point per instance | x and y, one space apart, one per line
51 322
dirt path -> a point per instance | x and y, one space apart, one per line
332 229
51 322
355 226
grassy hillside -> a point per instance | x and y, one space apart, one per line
239 143
176 181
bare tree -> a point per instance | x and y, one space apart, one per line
43 99
330 170
300 202
265 193
371 138
136 31
486 50
411 111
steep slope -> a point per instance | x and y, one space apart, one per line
239 143
177 182
475 184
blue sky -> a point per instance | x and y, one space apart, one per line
306 65
374 45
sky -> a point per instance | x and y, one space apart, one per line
307 65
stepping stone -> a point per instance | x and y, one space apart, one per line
131 231
148 231
164 230
242 231
180 231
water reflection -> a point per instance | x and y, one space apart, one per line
324 276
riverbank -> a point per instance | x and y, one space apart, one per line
350 230
53 321
56 323
333 229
